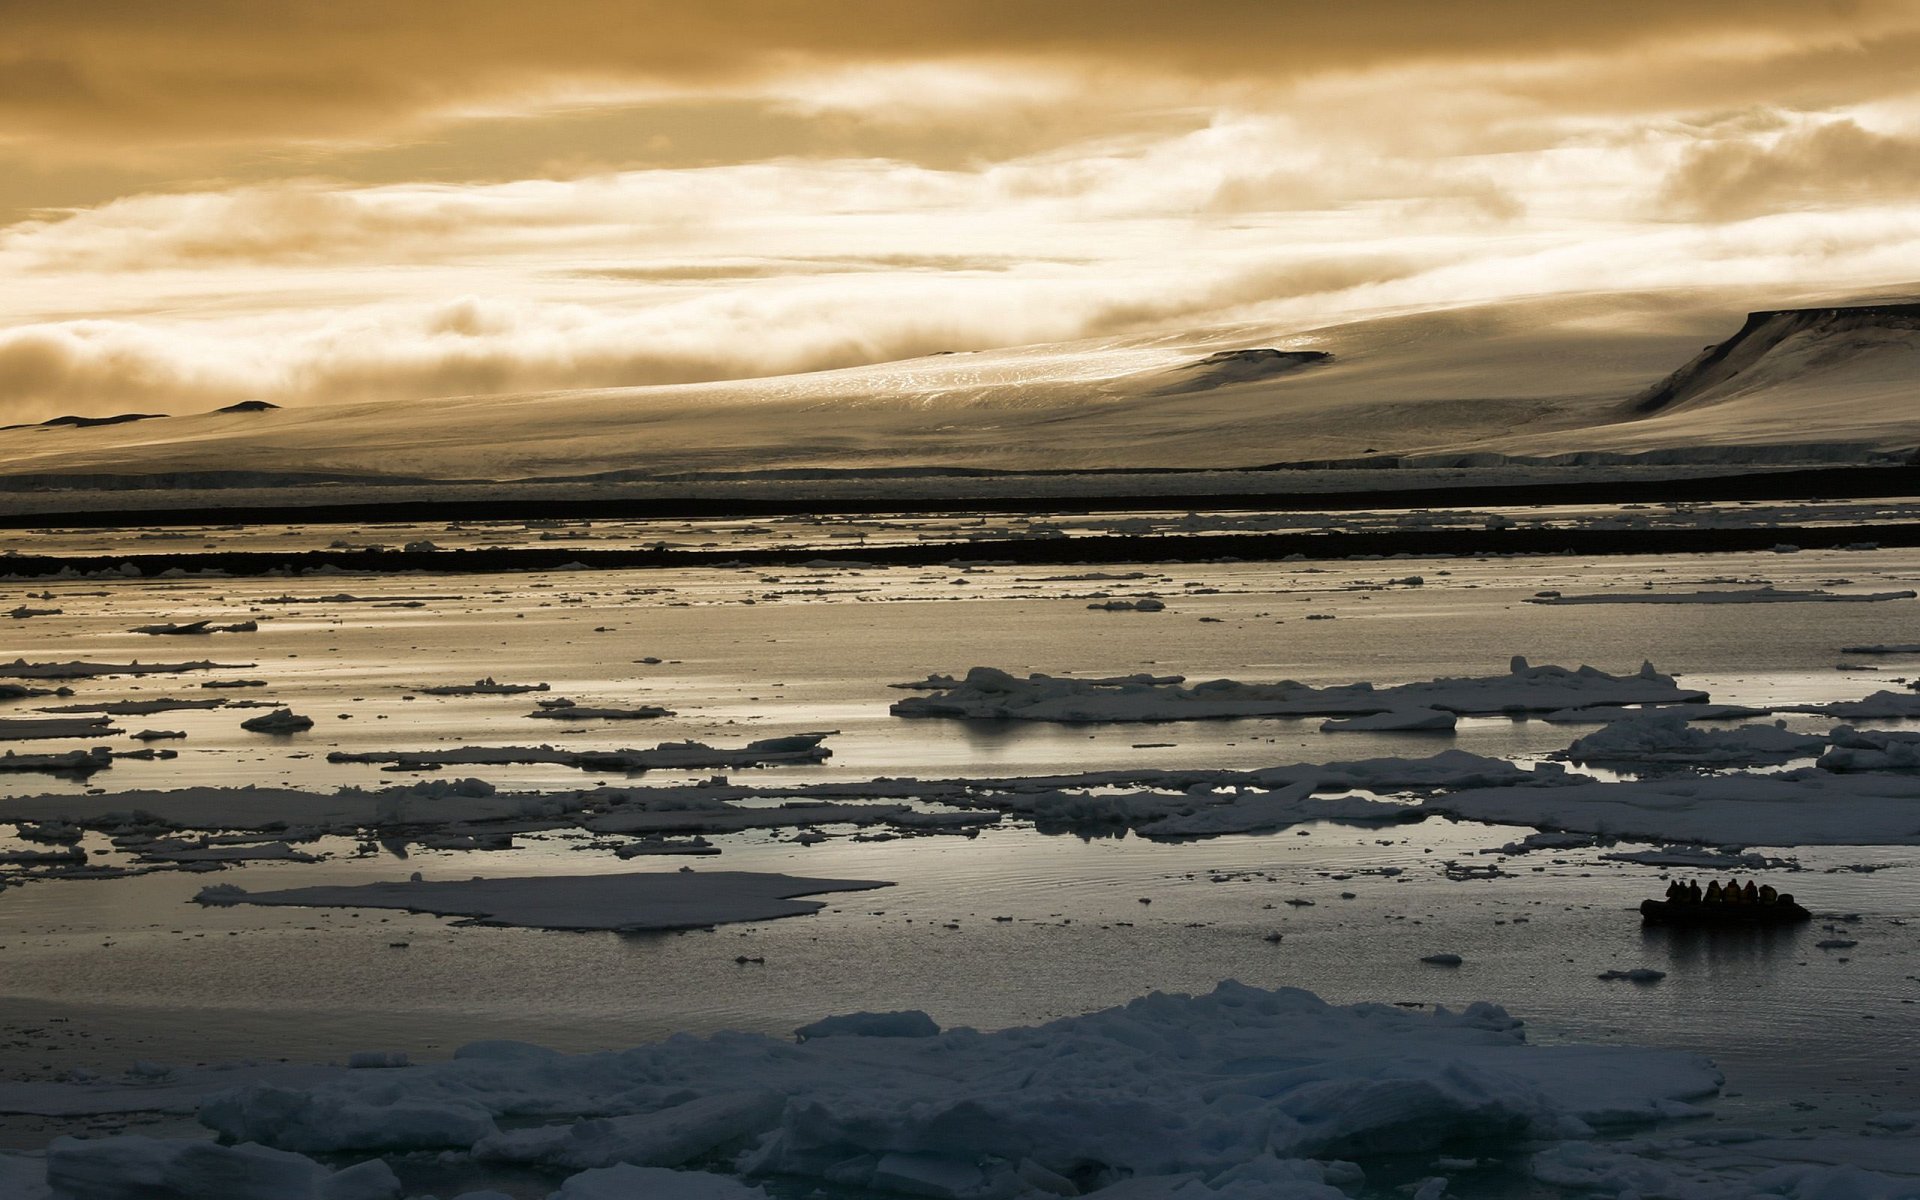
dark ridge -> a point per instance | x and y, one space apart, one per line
1158 548
78 422
1763 331
1833 483
1226 367
248 406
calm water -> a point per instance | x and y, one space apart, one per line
140 972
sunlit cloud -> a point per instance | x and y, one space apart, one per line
360 201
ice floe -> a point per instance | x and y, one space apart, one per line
1764 595
1658 737
196 628
1804 807
280 720
988 693
1399 720
692 756
19 729
483 687
625 902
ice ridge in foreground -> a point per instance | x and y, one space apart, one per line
1195 1094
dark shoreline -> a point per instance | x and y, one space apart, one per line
1840 483
1157 548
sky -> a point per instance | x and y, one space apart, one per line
325 201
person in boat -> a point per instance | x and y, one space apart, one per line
1750 893
1732 894
1768 894
1713 892
1676 891
1693 892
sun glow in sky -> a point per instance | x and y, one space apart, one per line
315 201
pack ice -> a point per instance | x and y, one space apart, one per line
1237 1092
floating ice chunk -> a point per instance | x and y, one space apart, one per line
1447 959
1601 714
1402 720
667 1137
1548 841
20 668
1144 604
1667 738
387 1114
72 762
197 628
1871 750
718 817
987 693
281 720
1882 705
21 729
580 712
136 708
115 1168
631 901
688 756
1694 856
483 687
1252 812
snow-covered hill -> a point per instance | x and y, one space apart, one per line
1544 377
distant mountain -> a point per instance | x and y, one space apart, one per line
1556 379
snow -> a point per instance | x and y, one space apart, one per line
990 694
626 901
1805 807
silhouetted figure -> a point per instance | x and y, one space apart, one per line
1768 894
1675 891
1731 892
1713 892
1750 893
1693 891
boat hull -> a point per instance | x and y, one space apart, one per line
1670 912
